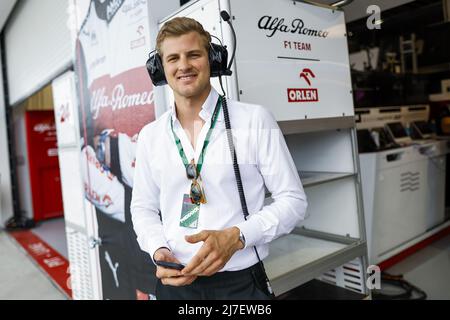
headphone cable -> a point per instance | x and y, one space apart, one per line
240 187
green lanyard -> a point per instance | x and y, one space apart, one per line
205 144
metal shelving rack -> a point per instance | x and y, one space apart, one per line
308 254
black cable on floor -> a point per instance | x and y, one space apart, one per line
407 290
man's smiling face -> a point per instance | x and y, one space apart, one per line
186 65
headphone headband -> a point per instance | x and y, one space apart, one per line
218 56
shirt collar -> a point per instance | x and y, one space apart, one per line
207 107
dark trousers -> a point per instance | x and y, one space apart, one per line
228 285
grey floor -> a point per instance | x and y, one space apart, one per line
428 269
54 233
20 278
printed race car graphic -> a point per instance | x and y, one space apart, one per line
102 188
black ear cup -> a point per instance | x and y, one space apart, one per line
218 57
155 69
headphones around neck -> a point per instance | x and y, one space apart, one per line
218 56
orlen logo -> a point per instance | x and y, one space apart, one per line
305 74
304 94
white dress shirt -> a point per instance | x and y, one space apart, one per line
160 182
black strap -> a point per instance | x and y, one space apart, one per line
261 272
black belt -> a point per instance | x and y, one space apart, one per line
220 278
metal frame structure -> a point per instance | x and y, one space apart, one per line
352 248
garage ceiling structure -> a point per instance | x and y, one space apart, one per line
355 10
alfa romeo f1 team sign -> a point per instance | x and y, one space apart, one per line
293 59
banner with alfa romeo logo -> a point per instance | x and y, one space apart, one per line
303 48
116 101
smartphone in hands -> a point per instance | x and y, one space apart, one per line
169 265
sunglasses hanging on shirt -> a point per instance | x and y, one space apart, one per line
197 194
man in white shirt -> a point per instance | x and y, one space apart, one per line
185 205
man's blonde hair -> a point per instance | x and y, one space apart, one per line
180 26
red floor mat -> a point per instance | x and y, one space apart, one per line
48 259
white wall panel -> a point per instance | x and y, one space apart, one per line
38 45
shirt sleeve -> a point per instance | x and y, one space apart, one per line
145 202
281 178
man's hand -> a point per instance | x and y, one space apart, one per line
218 248
170 277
